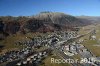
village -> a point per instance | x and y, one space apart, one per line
64 41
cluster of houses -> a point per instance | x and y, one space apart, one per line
51 38
25 55
66 35
85 54
71 49
92 35
37 40
14 55
75 48
33 59
71 34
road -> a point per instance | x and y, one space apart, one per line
64 56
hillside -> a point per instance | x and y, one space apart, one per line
59 18
42 22
91 19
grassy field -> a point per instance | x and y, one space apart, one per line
94 49
89 44
41 49
47 62
9 42
77 57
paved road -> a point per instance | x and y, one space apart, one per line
64 56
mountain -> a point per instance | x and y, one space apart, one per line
59 18
91 19
42 22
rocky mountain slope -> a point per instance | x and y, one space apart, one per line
42 22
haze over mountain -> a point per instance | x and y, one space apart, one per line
92 19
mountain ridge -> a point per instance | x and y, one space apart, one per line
42 22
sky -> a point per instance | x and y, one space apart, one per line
32 7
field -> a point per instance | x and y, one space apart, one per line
89 44
9 42
47 61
